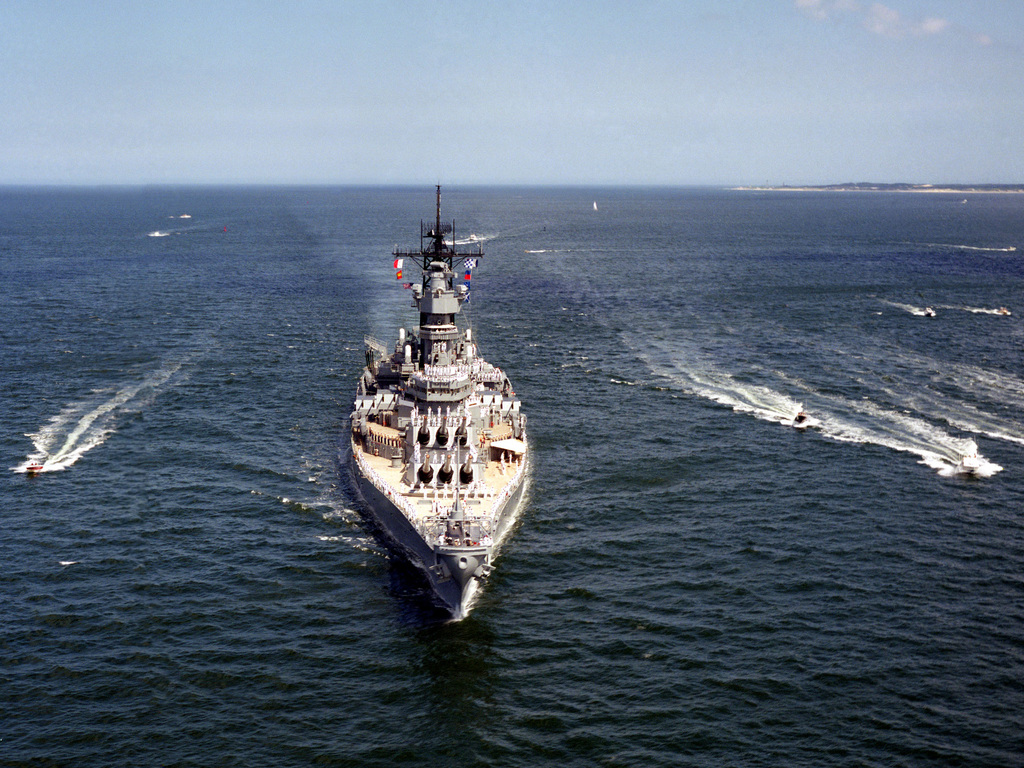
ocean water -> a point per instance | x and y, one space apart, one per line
692 582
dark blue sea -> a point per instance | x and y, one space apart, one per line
692 582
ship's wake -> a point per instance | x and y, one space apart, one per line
86 424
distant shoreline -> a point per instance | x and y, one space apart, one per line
957 189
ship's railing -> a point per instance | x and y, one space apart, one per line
477 489
376 345
384 487
439 373
434 529
511 486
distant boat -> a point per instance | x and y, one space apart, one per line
595 205
1003 311
929 312
34 468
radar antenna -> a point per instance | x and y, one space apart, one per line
435 246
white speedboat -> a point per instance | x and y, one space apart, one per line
803 421
929 312
969 464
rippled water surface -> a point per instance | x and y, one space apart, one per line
693 581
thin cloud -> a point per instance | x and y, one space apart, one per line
888 22
826 9
880 19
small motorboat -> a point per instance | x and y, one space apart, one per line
1003 311
929 312
969 464
33 467
803 421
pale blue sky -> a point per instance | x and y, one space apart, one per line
545 92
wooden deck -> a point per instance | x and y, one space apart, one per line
494 477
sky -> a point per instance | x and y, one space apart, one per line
576 92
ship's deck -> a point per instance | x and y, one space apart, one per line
420 503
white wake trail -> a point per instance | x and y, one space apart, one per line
863 421
82 426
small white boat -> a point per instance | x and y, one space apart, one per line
929 312
1003 311
969 464
34 468
803 421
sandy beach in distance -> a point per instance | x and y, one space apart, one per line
922 188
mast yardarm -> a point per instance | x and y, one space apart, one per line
436 247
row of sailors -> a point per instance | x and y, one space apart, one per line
382 485
456 371
475 489
503 465
436 420
444 539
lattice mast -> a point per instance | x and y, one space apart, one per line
436 246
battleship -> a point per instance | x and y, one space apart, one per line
439 446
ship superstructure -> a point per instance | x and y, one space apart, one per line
438 438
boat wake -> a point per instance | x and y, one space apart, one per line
918 311
996 398
847 420
759 401
184 225
84 425
957 247
864 421
977 310
474 238
964 417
